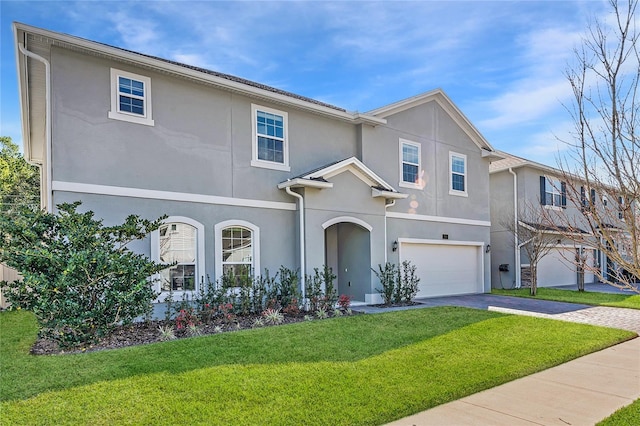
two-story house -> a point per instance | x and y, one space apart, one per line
540 197
252 177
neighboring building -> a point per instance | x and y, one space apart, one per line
253 177
520 187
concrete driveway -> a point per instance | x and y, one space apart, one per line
483 301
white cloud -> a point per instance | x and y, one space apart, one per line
136 34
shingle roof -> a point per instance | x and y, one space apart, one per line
221 75
555 228
509 160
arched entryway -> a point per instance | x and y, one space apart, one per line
348 253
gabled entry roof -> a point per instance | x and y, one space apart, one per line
318 178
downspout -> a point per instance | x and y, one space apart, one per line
301 217
516 267
48 169
391 204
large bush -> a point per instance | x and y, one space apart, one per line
399 283
80 279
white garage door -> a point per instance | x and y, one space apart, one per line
445 270
555 268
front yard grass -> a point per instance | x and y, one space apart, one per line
631 301
359 370
629 415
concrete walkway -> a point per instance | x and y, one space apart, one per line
579 392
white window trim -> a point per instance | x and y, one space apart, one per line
116 114
403 183
255 162
554 180
255 244
200 256
450 171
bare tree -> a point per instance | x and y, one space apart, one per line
602 168
535 234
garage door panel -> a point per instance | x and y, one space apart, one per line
444 269
555 268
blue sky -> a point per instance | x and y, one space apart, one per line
501 62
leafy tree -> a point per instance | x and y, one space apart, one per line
604 154
19 180
80 279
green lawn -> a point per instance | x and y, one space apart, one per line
365 369
629 415
631 301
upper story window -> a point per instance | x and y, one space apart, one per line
410 159
458 174
552 192
620 208
585 202
130 97
270 138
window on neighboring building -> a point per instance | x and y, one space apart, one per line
270 148
130 97
458 175
620 208
178 244
552 192
410 164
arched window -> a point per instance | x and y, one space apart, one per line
237 248
178 245
237 251
179 240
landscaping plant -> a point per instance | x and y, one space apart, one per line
388 277
408 281
79 278
399 283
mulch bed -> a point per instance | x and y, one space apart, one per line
141 333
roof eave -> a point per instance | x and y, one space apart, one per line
22 97
198 75
390 195
305 183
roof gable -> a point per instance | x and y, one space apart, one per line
354 166
318 178
446 104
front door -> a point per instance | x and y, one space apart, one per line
348 254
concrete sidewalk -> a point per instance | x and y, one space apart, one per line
579 392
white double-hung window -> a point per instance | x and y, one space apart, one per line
270 138
553 192
410 159
130 97
457 174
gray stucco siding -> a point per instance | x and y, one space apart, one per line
438 135
502 239
188 142
278 228
201 141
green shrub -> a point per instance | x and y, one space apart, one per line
399 283
80 279
388 277
320 289
408 281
